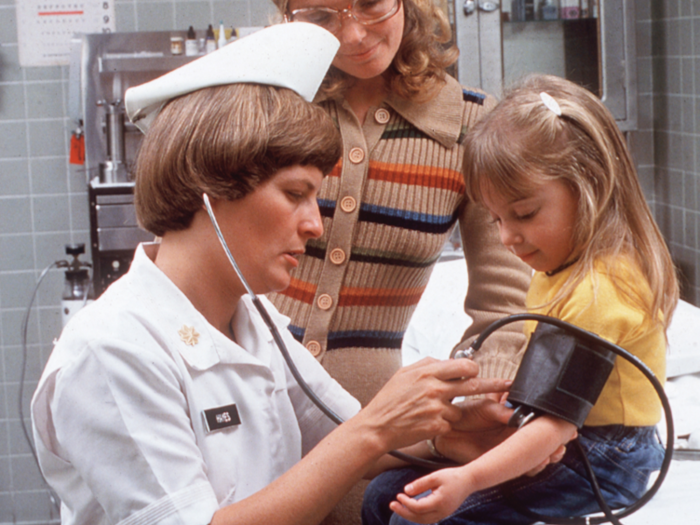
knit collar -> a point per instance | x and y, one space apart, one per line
440 118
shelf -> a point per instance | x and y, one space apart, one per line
548 21
142 62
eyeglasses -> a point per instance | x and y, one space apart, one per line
365 12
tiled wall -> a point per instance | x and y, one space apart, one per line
43 202
669 40
43 206
642 140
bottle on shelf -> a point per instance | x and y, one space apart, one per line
570 9
210 40
191 45
548 10
222 35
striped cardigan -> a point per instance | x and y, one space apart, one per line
388 208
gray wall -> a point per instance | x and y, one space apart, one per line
43 201
668 42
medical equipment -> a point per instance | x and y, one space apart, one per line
77 289
573 402
561 375
102 67
566 385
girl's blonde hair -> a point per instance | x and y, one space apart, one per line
418 70
523 142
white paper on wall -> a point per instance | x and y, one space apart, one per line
45 27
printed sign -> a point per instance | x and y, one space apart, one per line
45 28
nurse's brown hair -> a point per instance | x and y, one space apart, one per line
225 141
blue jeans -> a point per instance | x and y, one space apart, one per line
622 458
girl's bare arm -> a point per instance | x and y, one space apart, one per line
520 454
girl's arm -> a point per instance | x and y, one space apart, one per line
519 454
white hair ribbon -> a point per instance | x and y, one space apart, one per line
551 104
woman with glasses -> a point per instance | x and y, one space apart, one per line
391 202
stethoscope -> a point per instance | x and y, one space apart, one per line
468 353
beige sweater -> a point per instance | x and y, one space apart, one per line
388 208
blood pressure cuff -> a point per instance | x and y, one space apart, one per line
560 374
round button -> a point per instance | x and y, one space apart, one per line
348 204
382 116
324 301
337 256
314 347
356 155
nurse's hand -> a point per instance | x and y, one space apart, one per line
482 426
416 403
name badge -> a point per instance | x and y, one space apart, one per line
221 417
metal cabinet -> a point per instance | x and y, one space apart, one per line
588 41
103 67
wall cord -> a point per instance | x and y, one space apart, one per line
55 500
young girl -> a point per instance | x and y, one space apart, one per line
552 168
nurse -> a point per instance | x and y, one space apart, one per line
166 400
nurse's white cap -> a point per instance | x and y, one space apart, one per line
293 55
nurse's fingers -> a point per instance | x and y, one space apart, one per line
475 386
458 377
452 369
447 370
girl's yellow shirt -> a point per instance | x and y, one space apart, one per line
598 306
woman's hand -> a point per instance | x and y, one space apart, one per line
448 489
416 403
482 426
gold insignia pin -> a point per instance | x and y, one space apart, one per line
188 335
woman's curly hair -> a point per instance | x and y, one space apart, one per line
419 67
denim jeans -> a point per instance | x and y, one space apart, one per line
622 458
